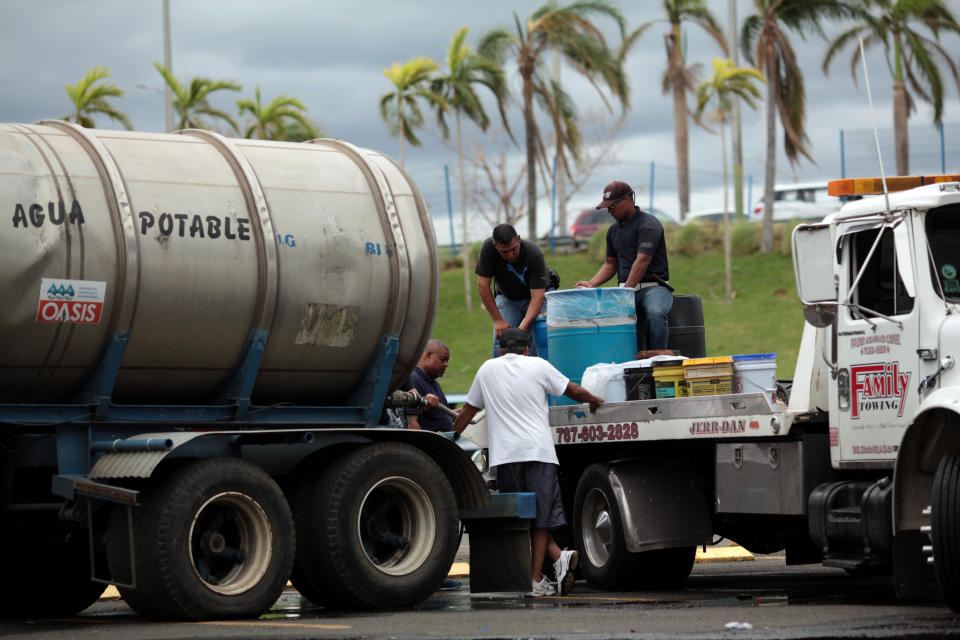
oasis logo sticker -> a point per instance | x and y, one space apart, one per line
878 387
71 301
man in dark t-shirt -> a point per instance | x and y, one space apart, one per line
520 273
637 255
431 366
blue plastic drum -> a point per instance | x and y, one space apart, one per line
587 326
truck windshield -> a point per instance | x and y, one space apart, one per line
943 234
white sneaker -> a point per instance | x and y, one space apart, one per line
542 588
564 566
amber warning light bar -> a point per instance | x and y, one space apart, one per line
874 186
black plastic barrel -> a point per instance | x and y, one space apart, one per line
686 327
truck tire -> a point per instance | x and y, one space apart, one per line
604 559
945 501
598 532
375 529
214 539
51 568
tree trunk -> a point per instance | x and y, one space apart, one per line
465 253
770 170
900 134
530 125
681 134
728 278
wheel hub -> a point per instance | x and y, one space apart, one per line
230 543
397 525
597 528
213 543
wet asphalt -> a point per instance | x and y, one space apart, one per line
753 597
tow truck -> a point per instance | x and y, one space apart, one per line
855 465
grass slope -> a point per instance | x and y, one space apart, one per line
765 315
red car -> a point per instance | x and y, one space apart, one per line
588 223
592 220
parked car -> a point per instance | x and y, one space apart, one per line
709 215
804 201
592 220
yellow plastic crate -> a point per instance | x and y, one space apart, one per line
708 368
712 387
667 379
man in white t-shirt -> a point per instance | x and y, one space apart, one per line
513 389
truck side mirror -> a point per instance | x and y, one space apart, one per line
813 261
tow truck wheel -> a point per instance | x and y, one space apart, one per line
213 540
945 503
598 532
376 529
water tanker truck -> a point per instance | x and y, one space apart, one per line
197 341
858 469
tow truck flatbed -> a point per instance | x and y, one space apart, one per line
738 415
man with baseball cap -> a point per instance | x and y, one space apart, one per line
513 389
637 255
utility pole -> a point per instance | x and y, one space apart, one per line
735 134
167 94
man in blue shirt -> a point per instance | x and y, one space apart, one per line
637 255
432 365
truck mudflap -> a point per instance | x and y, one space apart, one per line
722 416
637 523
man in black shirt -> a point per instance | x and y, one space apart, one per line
637 255
520 273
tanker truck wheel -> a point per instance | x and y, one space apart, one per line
598 532
376 529
214 539
945 503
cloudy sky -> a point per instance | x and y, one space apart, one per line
330 54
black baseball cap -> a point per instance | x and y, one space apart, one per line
614 192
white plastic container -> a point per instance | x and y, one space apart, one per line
756 373
606 379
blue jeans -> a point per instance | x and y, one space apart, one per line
513 311
653 307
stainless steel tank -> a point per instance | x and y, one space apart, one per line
190 243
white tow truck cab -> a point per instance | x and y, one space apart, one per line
859 470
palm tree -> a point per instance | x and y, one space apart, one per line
400 108
294 131
727 82
91 96
679 79
913 58
765 45
271 121
192 101
464 70
582 44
